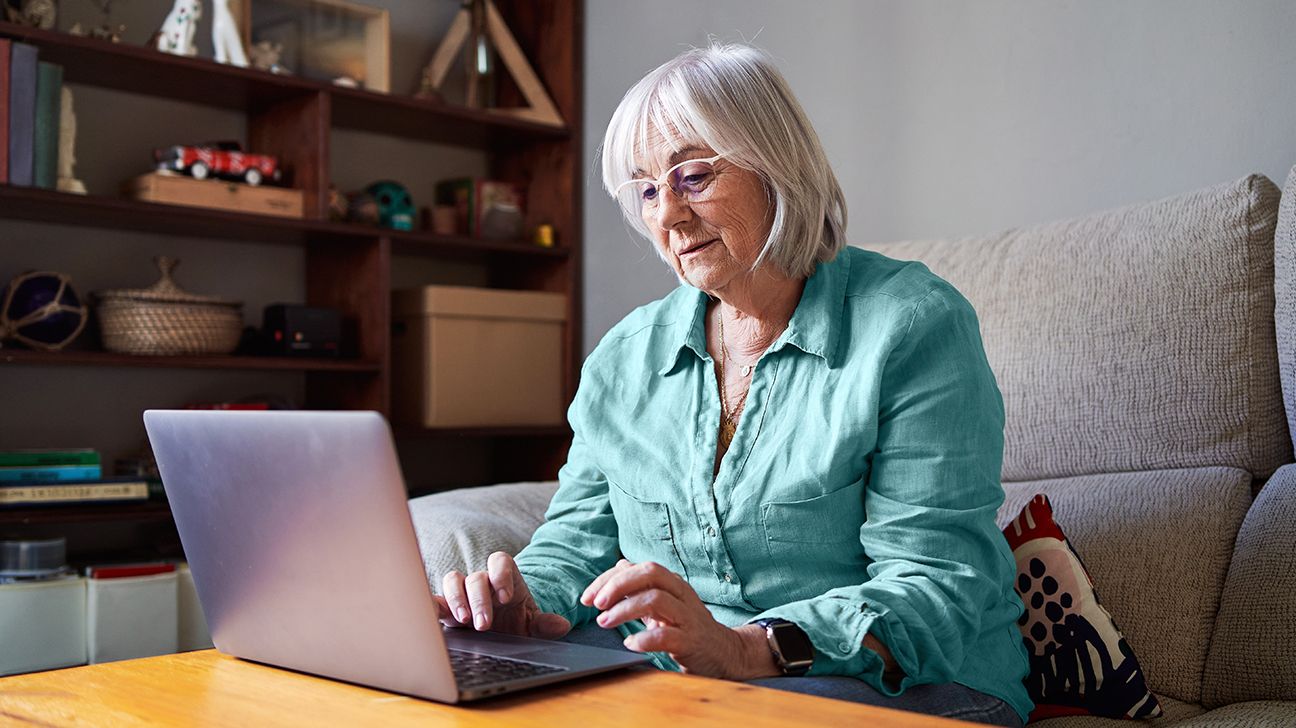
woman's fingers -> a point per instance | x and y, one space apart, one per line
478 587
504 577
637 578
657 604
587 596
445 613
452 587
658 639
549 626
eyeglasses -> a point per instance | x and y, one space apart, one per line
691 180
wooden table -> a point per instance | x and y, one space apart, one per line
208 688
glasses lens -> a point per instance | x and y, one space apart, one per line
692 180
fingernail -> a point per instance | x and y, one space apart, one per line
480 622
626 642
502 596
601 602
462 614
602 619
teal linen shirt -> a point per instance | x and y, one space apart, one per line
859 493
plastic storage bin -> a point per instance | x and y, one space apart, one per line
42 625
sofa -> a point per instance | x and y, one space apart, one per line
1147 360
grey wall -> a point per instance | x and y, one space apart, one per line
949 118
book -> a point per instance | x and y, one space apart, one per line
22 113
48 456
103 490
49 107
4 109
49 473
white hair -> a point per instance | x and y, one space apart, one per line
731 98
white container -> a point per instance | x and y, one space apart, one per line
134 616
193 625
42 625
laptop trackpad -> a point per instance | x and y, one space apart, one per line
493 643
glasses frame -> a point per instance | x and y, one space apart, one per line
661 181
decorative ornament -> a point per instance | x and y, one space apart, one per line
490 30
40 309
395 207
34 13
225 36
67 181
177 32
265 57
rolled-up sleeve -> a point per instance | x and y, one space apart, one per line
938 562
578 540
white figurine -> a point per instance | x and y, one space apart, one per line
67 147
225 36
177 32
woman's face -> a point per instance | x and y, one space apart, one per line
709 243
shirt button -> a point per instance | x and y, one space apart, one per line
711 531
845 646
728 578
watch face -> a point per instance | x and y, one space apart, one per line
794 651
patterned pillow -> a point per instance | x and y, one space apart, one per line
1080 664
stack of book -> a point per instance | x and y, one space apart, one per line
62 477
31 102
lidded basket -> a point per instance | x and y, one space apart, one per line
163 319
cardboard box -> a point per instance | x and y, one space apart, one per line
176 189
42 625
466 357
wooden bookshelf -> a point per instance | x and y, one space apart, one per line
346 266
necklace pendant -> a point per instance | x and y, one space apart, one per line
746 370
727 429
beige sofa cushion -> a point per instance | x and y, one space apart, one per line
1136 339
1174 711
1257 714
1253 651
1157 546
1285 295
458 529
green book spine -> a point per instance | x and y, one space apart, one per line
42 458
49 97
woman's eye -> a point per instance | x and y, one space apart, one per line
649 192
696 182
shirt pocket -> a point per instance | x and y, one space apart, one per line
816 537
645 530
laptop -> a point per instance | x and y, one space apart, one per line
299 538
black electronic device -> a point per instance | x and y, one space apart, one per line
294 330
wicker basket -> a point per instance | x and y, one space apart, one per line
163 319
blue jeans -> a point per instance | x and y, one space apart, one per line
950 700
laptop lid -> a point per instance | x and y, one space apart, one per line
298 534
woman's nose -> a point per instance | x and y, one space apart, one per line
672 210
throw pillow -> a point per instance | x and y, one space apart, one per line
1080 663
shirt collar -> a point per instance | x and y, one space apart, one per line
815 326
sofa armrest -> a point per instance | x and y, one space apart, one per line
459 529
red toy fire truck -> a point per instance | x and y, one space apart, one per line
226 160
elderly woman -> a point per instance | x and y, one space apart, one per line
786 471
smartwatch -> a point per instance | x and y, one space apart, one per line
790 646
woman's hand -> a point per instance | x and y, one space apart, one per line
677 622
496 599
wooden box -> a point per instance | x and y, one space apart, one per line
176 189
472 357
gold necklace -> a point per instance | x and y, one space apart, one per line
728 418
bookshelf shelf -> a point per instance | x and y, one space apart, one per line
102 211
139 512
110 359
145 71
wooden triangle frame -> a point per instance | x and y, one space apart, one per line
540 108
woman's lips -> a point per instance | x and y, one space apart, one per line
696 248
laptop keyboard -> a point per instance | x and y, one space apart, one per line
472 669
